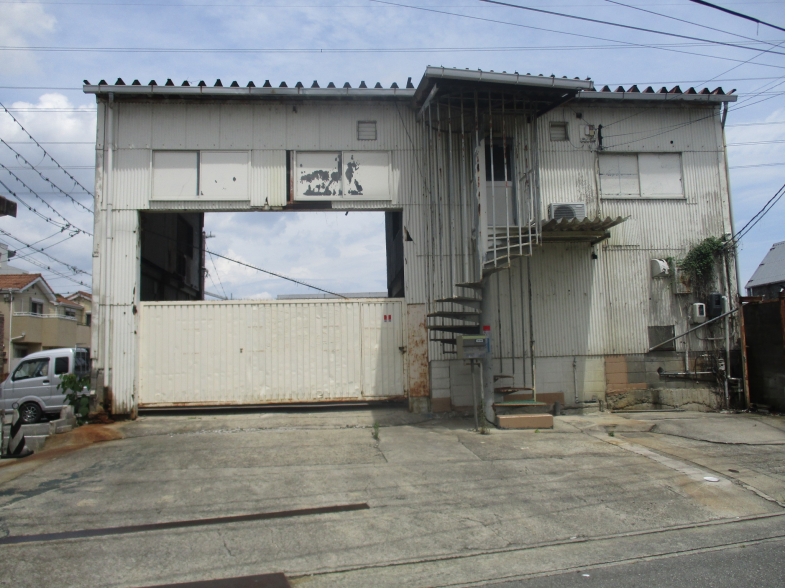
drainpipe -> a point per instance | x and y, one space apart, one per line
575 378
10 329
106 294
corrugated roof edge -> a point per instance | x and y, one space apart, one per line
234 92
656 96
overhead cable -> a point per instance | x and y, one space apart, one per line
73 268
625 44
69 224
758 216
681 20
739 14
47 180
619 25
76 182
39 214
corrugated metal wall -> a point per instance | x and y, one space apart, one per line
262 351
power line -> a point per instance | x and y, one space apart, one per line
625 44
69 224
758 216
42 265
757 165
755 124
680 20
739 14
76 182
617 24
217 275
47 180
38 263
69 227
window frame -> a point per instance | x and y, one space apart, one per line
642 194
44 360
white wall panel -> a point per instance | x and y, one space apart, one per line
257 352
131 179
268 177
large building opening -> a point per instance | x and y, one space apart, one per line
189 256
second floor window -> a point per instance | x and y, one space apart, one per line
36 307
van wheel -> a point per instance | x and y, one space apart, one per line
30 413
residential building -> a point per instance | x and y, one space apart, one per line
85 300
538 211
5 255
769 279
36 318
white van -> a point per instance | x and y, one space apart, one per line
32 385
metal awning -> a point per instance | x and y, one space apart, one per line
593 230
549 90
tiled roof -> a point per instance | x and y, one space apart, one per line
17 281
64 300
80 293
772 269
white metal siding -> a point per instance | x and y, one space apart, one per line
257 352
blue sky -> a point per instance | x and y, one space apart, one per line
354 40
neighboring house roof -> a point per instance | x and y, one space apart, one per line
79 294
21 282
772 269
65 301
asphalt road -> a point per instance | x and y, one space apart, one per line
755 565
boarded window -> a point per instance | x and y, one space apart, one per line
640 175
223 175
366 130
318 175
658 335
558 131
175 175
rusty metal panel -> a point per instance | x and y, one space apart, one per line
417 351
261 351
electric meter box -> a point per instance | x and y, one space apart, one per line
473 346
698 313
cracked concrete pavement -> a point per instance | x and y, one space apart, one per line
448 506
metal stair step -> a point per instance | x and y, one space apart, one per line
444 341
500 377
462 329
472 285
464 300
459 315
511 389
514 403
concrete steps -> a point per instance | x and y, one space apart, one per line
37 434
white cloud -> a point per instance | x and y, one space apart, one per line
18 24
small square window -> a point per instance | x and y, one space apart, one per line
559 131
366 130
88 319
36 307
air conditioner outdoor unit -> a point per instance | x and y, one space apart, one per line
567 210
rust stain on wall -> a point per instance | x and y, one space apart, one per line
417 351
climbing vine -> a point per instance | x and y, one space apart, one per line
699 262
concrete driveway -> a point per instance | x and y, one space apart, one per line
445 506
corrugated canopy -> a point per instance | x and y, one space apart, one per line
587 229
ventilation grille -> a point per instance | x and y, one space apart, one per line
558 131
568 211
366 130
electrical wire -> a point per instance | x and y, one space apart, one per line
217 275
69 224
680 20
76 182
36 212
47 180
41 264
739 14
617 24
741 233
625 44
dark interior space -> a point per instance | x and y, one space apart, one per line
393 225
172 264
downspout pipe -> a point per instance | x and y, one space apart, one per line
107 273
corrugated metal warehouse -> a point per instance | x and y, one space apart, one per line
539 211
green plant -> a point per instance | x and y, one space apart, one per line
699 262
375 433
73 385
536 430
611 434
